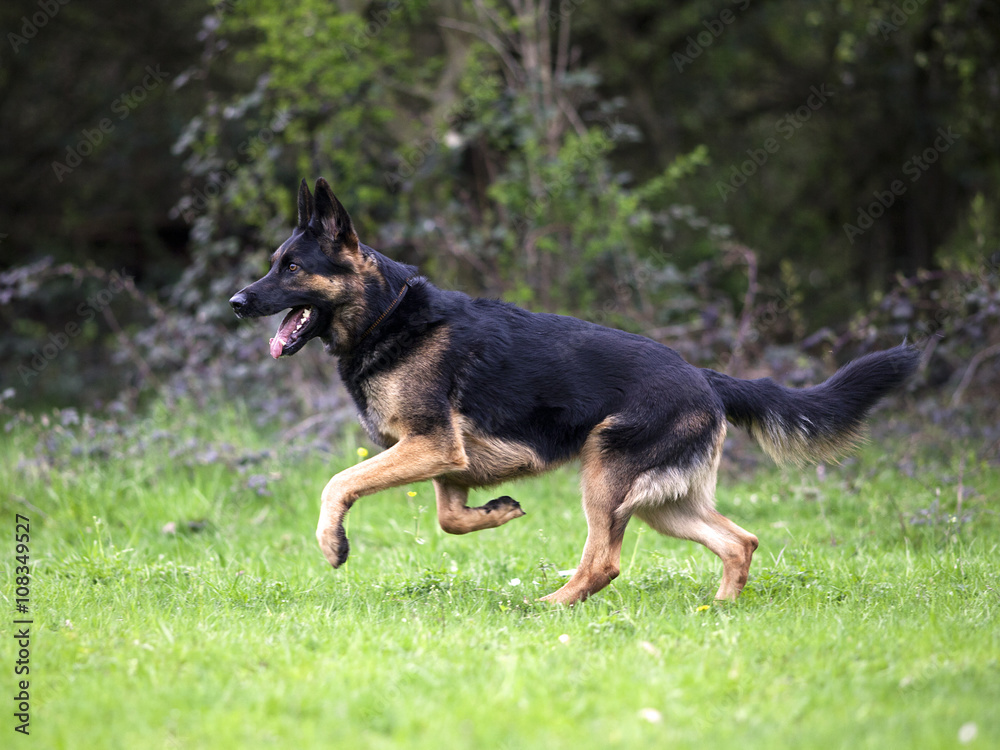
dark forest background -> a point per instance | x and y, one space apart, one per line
766 186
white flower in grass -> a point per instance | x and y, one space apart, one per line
968 732
564 638
651 715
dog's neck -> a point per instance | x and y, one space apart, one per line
390 309
385 287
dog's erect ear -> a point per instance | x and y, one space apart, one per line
305 205
331 218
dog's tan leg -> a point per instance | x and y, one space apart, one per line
681 503
456 517
412 459
735 546
603 495
600 563
687 519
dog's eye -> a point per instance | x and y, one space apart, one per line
293 267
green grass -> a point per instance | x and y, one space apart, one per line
859 628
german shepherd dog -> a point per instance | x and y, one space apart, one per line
474 392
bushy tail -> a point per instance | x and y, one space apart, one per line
818 423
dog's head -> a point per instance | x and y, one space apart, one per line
319 272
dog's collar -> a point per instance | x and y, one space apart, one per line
389 309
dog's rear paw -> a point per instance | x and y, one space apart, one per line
505 505
333 542
562 597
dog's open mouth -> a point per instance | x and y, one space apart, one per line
289 337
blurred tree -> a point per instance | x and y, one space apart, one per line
734 74
463 137
90 109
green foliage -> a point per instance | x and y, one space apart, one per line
975 238
895 75
554 214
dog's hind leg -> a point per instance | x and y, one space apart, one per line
687 519
456 517
681 503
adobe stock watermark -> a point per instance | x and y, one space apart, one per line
366 35
224 7
555 183
901 13
413 155
635 276
714 28
564 10
914 168
786 127
30 25
248 150
57 342
122 106
986 276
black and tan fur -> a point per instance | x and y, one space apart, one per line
473 392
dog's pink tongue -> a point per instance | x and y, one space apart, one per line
277 344
285 331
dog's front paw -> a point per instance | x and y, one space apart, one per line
333 541
506 507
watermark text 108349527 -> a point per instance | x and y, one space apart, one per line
22 623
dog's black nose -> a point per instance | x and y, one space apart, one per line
238 301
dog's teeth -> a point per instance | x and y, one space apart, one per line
303 318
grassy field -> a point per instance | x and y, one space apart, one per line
179 601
